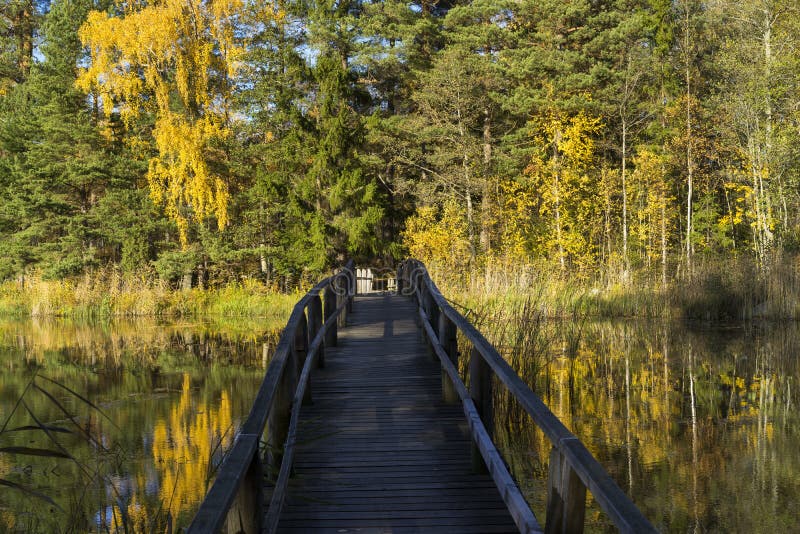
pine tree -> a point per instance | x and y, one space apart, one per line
61 166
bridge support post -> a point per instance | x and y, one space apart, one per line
432 311
448 339
280 415
314 326
329 310
399 283
566 497
481 391
301 344
246 510
350 277
419 300
341 286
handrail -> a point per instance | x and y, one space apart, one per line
234 502
573 469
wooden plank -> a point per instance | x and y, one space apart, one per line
362 522
382 447
452 517
450 507
485 529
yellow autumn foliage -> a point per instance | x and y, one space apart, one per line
560 173
514 219
438 237
653 205
149 53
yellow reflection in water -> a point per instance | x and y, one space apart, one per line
183 444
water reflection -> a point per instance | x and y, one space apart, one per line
174 396
698 424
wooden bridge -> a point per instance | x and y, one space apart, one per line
363 424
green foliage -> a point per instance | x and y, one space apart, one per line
350 129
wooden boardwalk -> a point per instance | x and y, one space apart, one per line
378 450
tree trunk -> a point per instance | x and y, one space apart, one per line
625 195
486 207
689 178
557 201
663 237
186 281
689 160
262 259
24 30
470 224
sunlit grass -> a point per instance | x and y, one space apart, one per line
729 289
109 294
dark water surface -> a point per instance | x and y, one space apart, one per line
172 397
699 424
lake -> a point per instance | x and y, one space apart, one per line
698 423
167 399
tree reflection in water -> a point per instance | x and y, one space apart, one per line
176 394
698 423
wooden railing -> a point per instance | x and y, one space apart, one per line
234 502
573 469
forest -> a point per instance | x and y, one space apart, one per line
203 142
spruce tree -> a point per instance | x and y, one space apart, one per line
61 166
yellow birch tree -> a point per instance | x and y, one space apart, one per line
176 60
561 174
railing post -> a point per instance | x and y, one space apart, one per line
280 415
246 510
448 339
398 285
314 326
480 389
329 308
342 294
301 345
432 311
351 279
421 302
566 497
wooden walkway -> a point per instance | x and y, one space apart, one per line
378 450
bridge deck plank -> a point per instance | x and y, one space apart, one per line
378 451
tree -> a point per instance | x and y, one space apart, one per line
61 166
760 85
623 68
175 60
19 21
561 172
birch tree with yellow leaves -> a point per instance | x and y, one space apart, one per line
560 172
175 60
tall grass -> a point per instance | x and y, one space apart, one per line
719 288
108 293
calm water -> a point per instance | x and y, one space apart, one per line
172 397
699 424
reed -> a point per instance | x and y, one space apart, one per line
108 293
718 289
